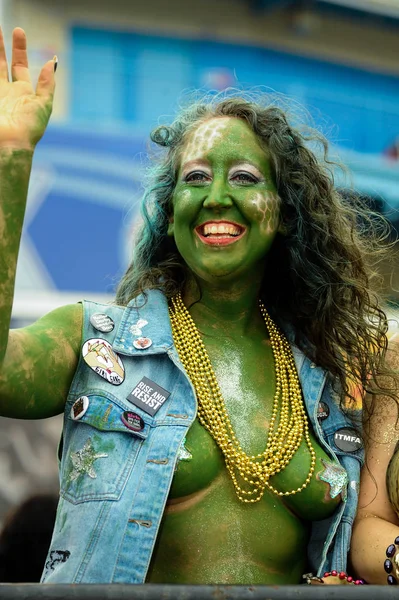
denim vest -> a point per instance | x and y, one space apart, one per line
115 480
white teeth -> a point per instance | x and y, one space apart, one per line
221 229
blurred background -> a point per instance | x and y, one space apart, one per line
124 67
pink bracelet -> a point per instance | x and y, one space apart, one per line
343 575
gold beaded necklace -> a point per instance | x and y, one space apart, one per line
286 429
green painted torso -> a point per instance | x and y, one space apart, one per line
207 535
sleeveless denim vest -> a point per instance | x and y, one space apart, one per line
115 480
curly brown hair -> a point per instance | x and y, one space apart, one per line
323 267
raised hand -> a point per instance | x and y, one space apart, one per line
24 112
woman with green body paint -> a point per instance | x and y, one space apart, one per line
243 212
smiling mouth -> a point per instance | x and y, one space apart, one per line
220 233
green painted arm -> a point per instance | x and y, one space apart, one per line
36 363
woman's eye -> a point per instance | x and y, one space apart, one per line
196 177
244 177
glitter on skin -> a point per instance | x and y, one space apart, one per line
389 434
233 385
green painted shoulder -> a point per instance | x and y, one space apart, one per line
40 363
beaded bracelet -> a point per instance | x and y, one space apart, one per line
392 558
343 576
310 578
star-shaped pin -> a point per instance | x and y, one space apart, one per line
337 477
183 453
83 460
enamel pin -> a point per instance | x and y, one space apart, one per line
99 356
102 322
142 343
79 408
132 420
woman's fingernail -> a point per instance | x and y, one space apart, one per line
55 60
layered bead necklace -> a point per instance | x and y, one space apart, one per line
288 424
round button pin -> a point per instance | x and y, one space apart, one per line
323 410
102 322
142 343
347 439
79 408
132 420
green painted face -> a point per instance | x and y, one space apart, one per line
225 204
